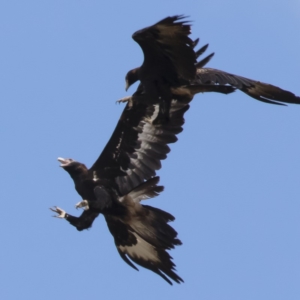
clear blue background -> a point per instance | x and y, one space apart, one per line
232 180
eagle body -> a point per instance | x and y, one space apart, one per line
124 174
142 232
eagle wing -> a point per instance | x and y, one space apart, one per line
258 90
143 235
167 44
138 144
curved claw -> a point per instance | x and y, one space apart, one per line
123 100
61 213
82 204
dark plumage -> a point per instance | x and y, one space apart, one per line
169 58
258 90
154 42
124 175
125 172
168 55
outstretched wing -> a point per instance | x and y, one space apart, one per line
138 144
167 44
213 78
258 90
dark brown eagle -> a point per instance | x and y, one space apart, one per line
123 176
167 47
125 172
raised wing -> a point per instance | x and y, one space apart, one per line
167 44
138 144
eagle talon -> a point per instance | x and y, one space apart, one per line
82 204
61 213
123 100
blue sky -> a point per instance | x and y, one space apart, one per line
231 181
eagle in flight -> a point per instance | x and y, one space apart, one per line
125 172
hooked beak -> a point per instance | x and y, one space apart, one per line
126 85
64 161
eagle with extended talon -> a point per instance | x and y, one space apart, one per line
123 176
125 172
